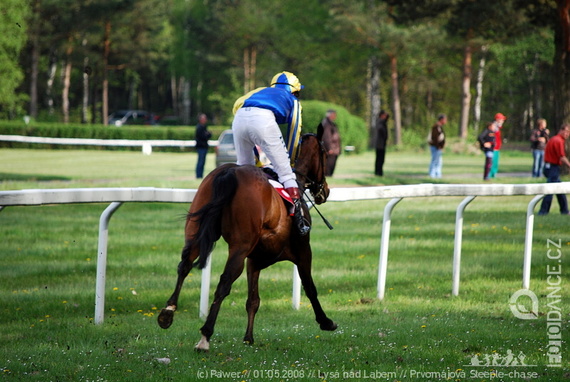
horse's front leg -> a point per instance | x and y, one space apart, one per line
304 268
232 270
184 267
253 300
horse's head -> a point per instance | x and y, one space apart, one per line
310 168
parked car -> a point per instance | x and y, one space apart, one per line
131 117
226 150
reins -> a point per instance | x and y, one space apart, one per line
316 188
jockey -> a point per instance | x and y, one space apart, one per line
256 122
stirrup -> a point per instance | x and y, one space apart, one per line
301 223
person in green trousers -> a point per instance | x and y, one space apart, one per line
498 124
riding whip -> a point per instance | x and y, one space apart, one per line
319 212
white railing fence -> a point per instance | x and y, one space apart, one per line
146 145
118 196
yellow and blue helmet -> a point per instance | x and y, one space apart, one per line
287 81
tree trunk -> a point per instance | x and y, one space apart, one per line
35 61
66 81
133 95
373 96
249 68
562 64
94 101
105 96
396 100
174 95
465 92
562 70
49 85
246 73
479 88
253 69
85 100
186 112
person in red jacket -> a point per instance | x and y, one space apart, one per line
498 123
554 158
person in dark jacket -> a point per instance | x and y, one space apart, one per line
381 131
487 143
327 132
538 139
555 158
202 137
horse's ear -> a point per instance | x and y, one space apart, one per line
320 131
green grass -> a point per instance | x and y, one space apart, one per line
47 281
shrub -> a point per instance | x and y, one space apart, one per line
353 130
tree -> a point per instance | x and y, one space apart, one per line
562 63
13 27
476 23
378 34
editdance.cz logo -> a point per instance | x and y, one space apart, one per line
524 303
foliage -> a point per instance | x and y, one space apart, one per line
533 53
13 28
353 130
176 56
60 130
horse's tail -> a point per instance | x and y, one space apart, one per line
209 217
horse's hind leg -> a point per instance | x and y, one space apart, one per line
252 304
232 270
184 267
304 268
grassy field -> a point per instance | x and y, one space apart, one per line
419 332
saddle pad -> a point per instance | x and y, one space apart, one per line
281 191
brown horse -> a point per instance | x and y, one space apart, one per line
239 204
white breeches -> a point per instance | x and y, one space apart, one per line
255 126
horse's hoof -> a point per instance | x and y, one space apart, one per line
329 326
165 318
248 340
203 345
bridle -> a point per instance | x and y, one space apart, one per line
317 187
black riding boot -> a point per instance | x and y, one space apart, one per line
300 222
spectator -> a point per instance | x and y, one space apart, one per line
436 140
498 124
487 143
327 132
554 158
538 139
381 138
202 136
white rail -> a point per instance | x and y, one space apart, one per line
146 145
117 196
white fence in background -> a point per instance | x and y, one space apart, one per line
118 196
146 145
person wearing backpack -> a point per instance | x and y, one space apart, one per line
487 143
498 126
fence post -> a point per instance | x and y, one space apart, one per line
528 240
457 244
384 244
296 298
102 261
